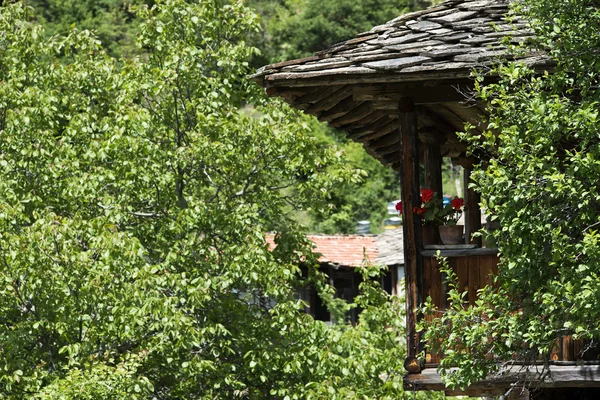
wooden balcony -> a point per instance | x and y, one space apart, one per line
572 363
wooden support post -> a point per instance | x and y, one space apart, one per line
411 224
472 211
433 168
432 159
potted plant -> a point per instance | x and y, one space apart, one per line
450 232
431 214
438 221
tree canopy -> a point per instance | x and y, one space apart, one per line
114 21
540 181
134 199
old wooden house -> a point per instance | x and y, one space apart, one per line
403 89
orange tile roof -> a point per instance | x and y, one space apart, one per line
347 250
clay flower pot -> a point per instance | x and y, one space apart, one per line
430 235
451 234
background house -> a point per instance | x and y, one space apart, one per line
342 255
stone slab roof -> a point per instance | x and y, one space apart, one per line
428 55
390 245
451 38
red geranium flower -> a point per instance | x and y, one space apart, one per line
399 207
420 211
457 203
426 195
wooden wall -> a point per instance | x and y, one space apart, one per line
473 272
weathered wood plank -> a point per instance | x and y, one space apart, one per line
486 270
462 273
385 141
384 105
578 348
567 348
553 376
447 71
384 130
370 124
474 283
357 114
338 94
343 107
427 292
391 150
310 97
461 252
432 160
420 94
556 351
437 296
291 76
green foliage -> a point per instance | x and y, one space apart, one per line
285 25
134 198
114 21
541 184
364 198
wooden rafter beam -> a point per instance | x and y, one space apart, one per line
458 92
364 129
357 76
357 114
390 126
338 94
368 123
342 108
384 142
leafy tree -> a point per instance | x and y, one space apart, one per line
541 184
353 201
134 198
114 21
